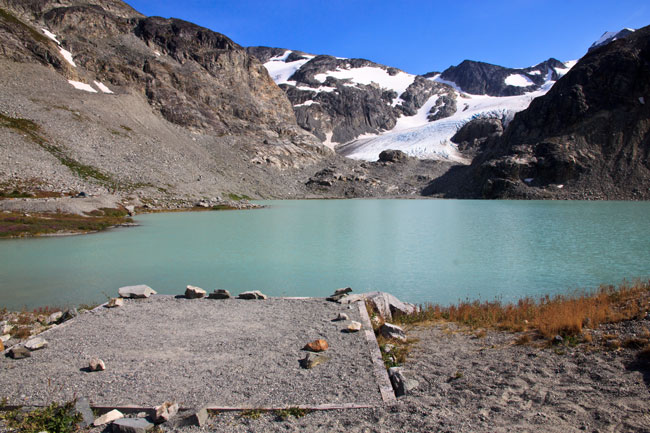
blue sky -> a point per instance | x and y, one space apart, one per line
416 36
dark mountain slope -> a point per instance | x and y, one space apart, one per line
588 137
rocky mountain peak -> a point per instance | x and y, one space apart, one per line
608 37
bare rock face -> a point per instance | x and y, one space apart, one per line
578 141
474 134
479 78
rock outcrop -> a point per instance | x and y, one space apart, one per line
588 137
479 78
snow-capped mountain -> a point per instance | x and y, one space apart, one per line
608 37
361 108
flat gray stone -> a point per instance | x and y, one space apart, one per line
220 294
54 318
312 359
131 425
190 418
401 385
139 291
36 343
254 294
108 417
18 353
82 406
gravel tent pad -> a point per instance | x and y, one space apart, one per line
201 352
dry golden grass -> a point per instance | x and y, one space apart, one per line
565 315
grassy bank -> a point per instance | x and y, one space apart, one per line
18 224
564 315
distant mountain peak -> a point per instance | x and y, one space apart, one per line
608 37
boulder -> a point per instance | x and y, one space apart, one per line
18 352
54 318
344 291
317 346
115 302
388 330
139 291
390 155
96 364
5 338
255 294
220 294
130 209
189 418
82 407
165 412
339 294
401 385
193 292
311 360
36 344
384 303
108 417
131 425
341 317
354 326
70 313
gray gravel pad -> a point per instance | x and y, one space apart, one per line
224 353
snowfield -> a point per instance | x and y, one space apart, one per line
416 135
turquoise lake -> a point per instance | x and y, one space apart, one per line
437 251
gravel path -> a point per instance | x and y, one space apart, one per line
231 353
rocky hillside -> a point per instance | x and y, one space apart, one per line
97 97
588 137
361 108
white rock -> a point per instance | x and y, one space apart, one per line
115 302
54 317
6 328
108 417
354 326
36 343
165 411
193 292
254 294
96 364
139 291
5 338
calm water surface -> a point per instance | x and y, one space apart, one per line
420 250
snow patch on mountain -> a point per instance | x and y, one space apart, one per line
51 35
67 55
562 71
608 37
519 80
368 74
280 70
82 86
101 86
